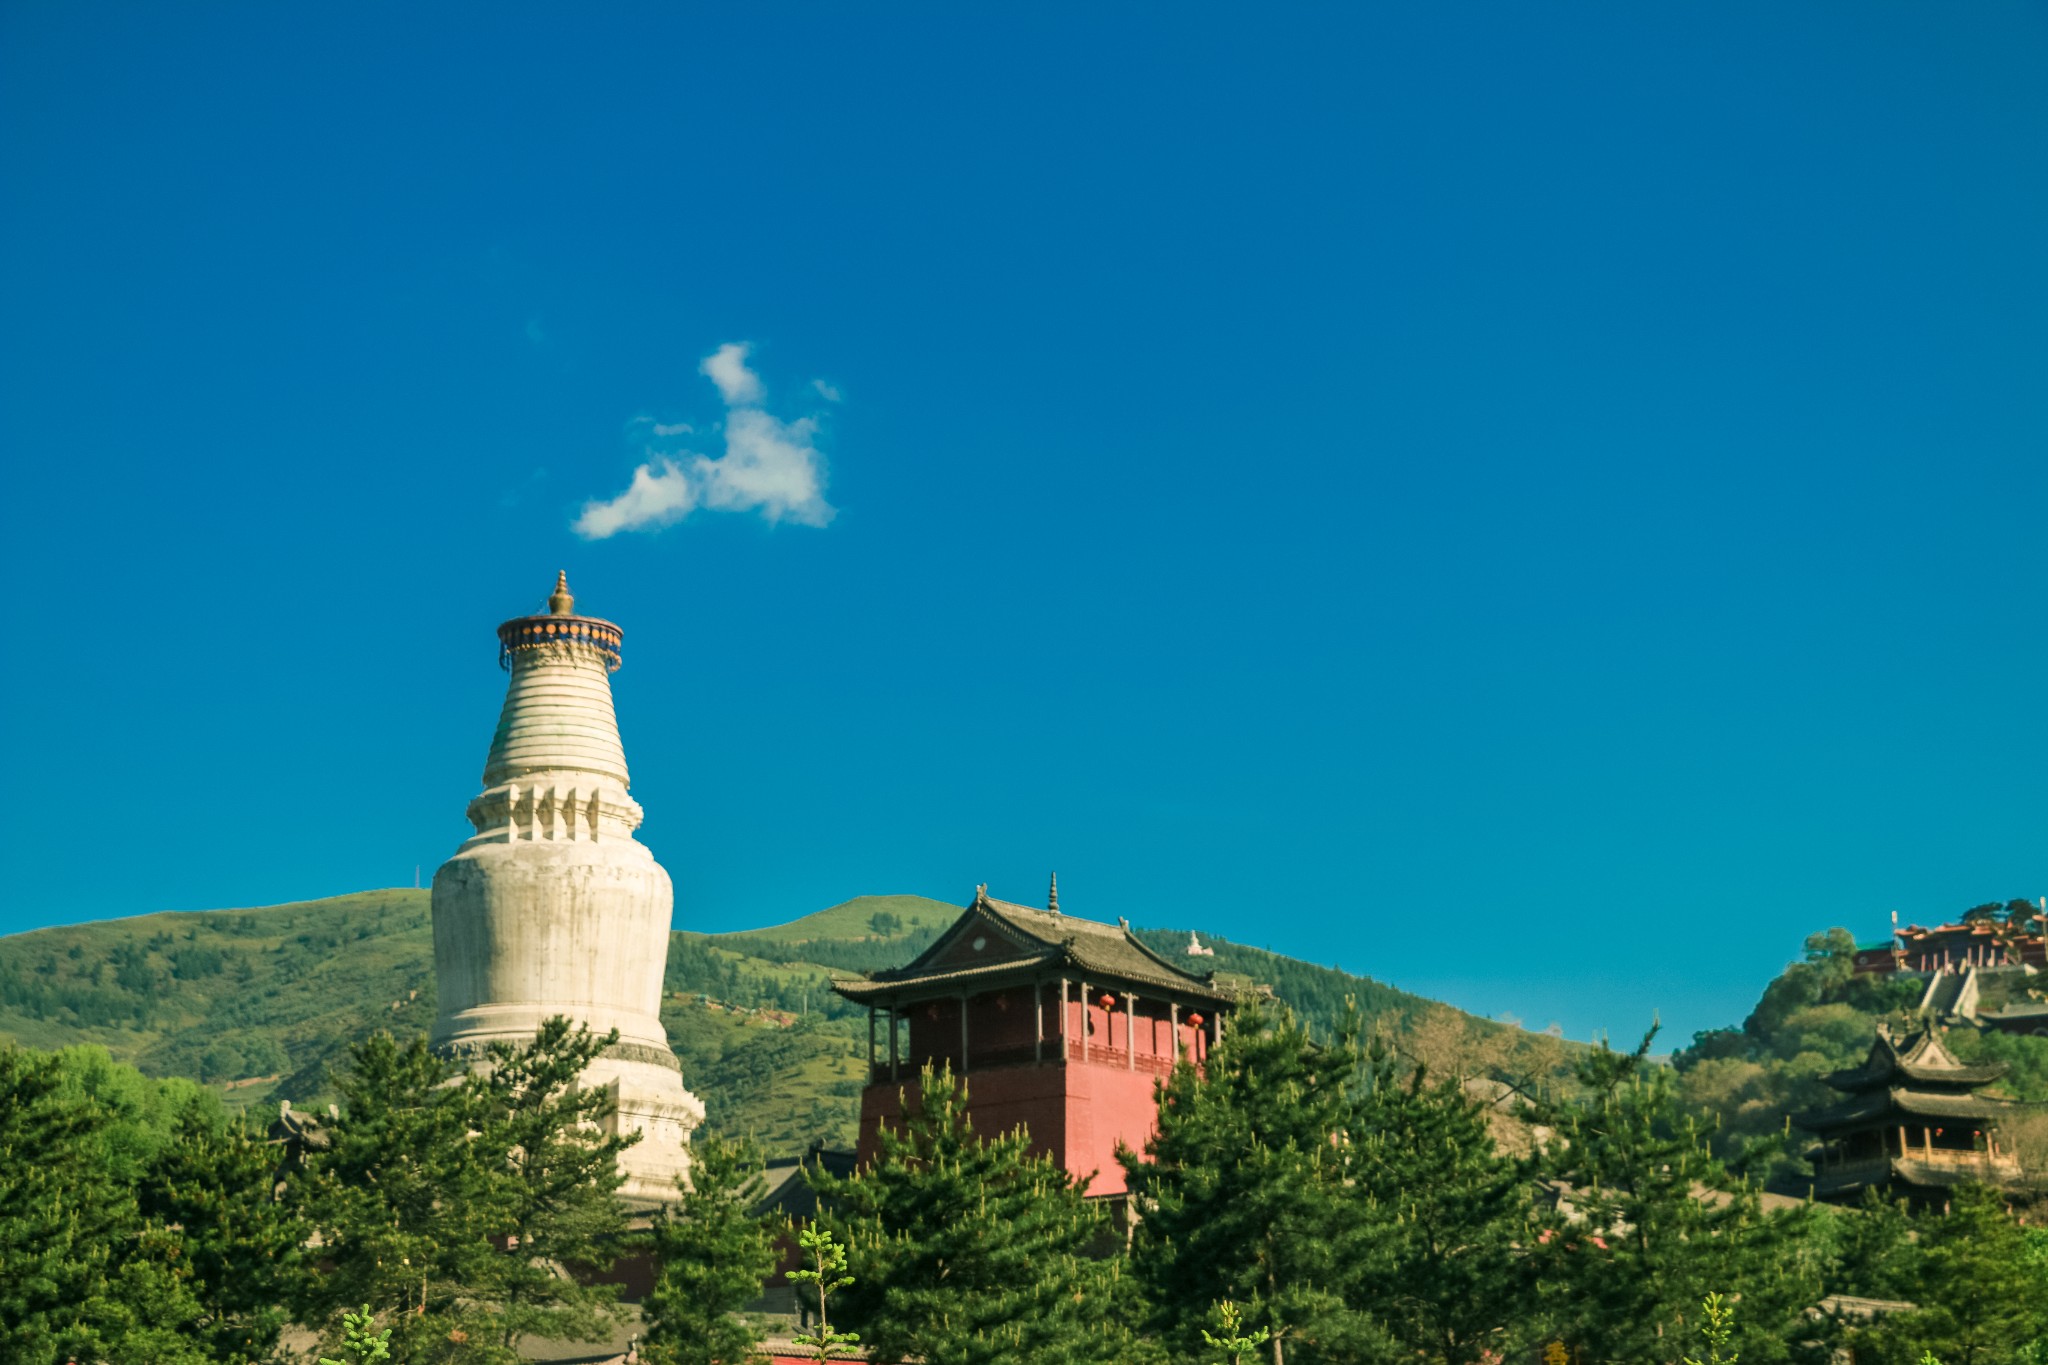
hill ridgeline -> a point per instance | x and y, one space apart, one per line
260 1004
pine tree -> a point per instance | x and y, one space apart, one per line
382 1200
83 1275
968 1250
713 1256
1444 1268
823 1272
1981 1282
1869 1248
548 1179
1716 1329
1654 1223
1248 1195
241 1249
1230 1337
459 1208
360 1342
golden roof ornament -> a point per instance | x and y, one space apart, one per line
559 625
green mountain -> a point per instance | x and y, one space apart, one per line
260 1003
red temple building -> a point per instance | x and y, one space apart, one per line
1058 1024
1983 943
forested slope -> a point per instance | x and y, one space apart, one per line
1819 1016
259 1003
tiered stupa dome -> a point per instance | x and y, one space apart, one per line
552 907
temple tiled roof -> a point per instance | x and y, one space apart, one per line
1919 1104
1028 943
1922 1061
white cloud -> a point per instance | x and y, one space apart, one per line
825 391
727 368
661 493
769 466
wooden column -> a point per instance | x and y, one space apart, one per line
893 1016
871 1043
1130 1032
1084 1018
1063 1020
1038 1019
1173 1023
963 1035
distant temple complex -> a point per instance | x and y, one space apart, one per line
1981 942
1057 1023
1985 970
1910 1124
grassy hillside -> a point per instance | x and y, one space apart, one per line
225 995
259 1004
863 919
1449 1041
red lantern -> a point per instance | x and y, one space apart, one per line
1108 1001
1195 1019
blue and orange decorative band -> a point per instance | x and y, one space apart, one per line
533 632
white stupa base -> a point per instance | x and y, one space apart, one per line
651 1101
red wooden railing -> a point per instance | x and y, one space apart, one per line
1115 1058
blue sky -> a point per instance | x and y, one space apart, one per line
1543 506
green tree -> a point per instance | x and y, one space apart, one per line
361 1345
1981 1283
970 1250
1651 1223
1717 1329
1870 1248
82 1273
462 1209
241 1249
1248 1195
383 1198
713 1256
1444 1265
826 1275
1230 1336
547 1174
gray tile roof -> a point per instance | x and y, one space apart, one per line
1921 1059
1872 1104
1041 943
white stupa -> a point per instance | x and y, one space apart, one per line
553 907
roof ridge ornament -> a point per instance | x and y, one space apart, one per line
1052 895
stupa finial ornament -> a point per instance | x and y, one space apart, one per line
1052 894
560 603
